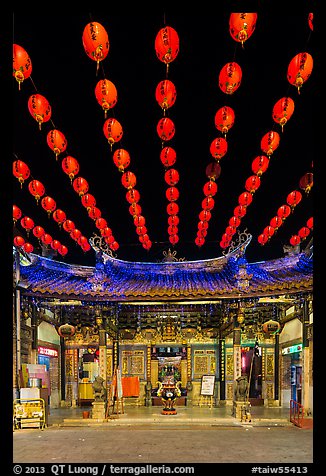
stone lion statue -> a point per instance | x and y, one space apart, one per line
100 392
241 388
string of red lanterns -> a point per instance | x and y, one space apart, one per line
107 96
96 45
166 46
299 70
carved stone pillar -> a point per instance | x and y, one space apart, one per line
102 354
148 385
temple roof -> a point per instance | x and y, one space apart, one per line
112 279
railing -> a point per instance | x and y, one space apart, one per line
296 413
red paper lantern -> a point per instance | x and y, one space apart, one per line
70 166
269 231
68 226
173 239
80 186
172 194
208 203
172 208
171 177
86 247
101 223
139 220
252 183
306 182
112 130
128 180
20 171
16 213
94 213
173 230
304 232
167 45
38 231
39 108
165 129
22 64
135 209
230 77
63 250
242 26
310 21
260 165
276 222
282 111
55 245
213 170
59 216
75 234
295 240
27 223
165 94
114 246
294 198
200 240
263 238
205 215
95 42
106 95
19 241
28 247
310 223
210 188
168 156
218 148
300 69
88 200
234 221
56 141
230 230
106 232
82 241
202 225
245 198
270 142
36 188
284 211
133 196
46 239
49 204
240 211
224 119
173 220
109 239
121 159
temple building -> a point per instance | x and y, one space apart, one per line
189 321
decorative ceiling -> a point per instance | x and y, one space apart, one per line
67 77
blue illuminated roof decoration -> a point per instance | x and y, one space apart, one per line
111 279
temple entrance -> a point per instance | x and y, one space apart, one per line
251 363
171 368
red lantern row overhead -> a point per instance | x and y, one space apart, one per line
294 198
80 186
300 69
168 156
27 223
106 95
57 142
242 26
259 165
88 201
306 182
39 108
165 129
95 42
218 148
22 64
59 216
121 159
